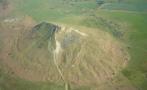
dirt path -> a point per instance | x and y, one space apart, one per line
55 53
81 33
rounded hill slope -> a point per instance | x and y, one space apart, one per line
60 53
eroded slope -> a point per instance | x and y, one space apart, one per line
85 57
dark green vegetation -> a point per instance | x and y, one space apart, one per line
136 70
125 20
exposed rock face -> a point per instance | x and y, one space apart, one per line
37 46
45 32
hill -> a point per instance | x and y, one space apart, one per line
79 45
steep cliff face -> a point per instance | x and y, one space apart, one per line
36 48
47 52
46 33
40 36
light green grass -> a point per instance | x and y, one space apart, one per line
14 83
51 9
136 71
8 82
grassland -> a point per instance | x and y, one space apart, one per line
136 42
132 24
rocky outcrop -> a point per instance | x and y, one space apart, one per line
46 33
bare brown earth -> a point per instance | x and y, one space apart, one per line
5 8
